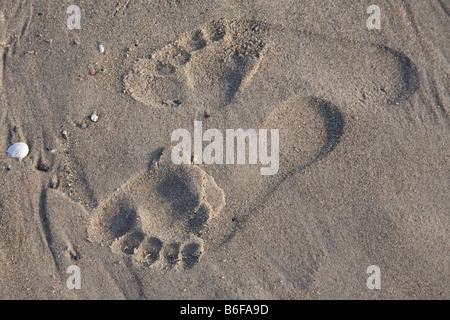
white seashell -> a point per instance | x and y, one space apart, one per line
101 48
94 117
18 150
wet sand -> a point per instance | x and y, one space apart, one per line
364 166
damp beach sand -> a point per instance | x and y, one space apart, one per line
364 153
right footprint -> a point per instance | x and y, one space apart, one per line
216 61
159 217
214 65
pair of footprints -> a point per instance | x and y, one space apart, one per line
216 61
157 217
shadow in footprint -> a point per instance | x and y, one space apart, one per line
334 126
172 254
409 75
197 42
149 252
199 219
191 255
235 75
132 242
233 79
333 122
177 189
155 156
123 222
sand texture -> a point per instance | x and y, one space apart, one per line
364 149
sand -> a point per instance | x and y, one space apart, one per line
364 170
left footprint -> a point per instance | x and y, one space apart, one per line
157 217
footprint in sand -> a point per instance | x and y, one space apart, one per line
214 64
217 60
158 217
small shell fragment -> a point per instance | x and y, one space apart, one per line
94 117
101 49
18 150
